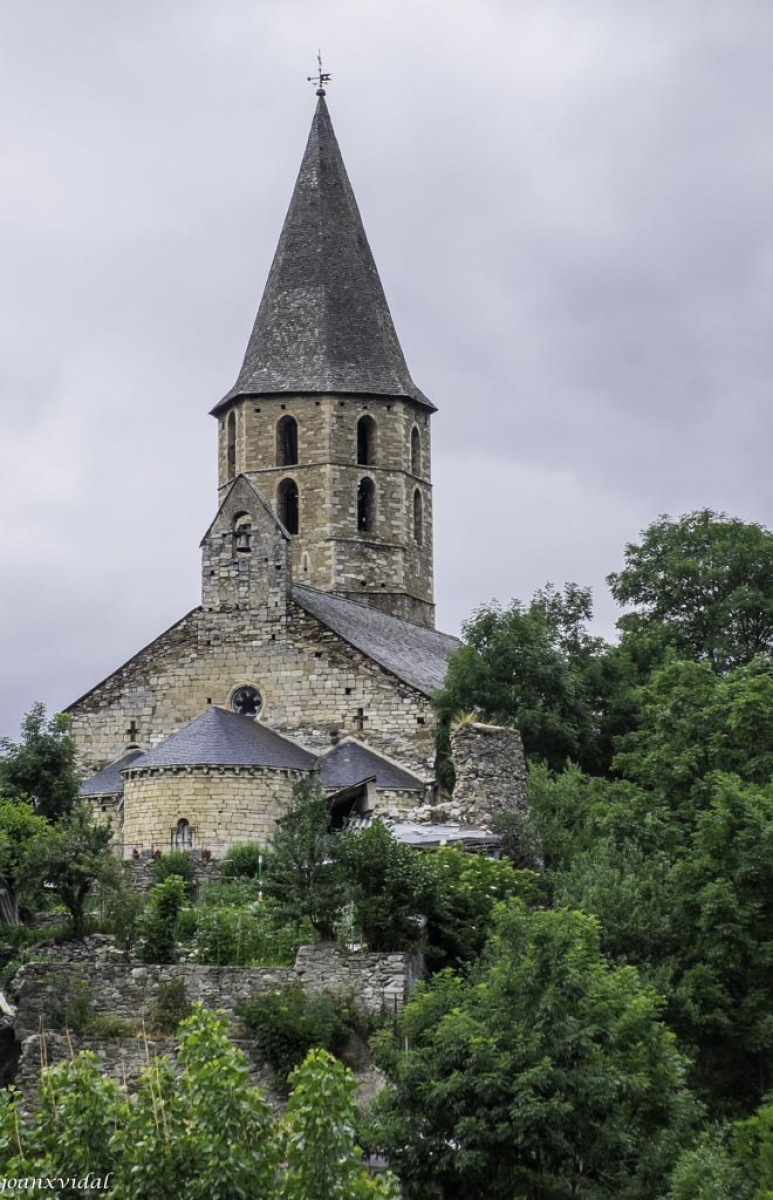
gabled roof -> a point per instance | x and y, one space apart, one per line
224 739
108 782
414 653
350 763
324 323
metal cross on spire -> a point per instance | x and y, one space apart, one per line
321 78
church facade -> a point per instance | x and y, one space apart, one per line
314 648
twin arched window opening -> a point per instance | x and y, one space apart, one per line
287 442
366 506
415 451
418 517
366 441
230 434
287 505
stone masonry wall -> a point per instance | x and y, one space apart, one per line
239 804
126 990
490 772
313 684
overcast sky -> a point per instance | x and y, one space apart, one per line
570 205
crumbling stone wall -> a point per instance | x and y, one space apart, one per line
490 773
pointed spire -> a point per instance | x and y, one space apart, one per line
324 323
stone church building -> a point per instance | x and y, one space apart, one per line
314 649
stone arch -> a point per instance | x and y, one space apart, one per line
418 517
288 505
366 505
242 531
183 834
287 442
366 441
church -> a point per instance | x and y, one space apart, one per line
314 649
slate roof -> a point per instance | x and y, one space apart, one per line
224 739
108 782
324 323
414 653
350 763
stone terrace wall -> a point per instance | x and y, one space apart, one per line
126 990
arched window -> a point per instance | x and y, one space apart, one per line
243 532
418 515
366 506
415 452
287 504
183 835
287 442
231 443
366 441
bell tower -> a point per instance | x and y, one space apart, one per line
324 418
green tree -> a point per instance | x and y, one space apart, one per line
390 885
157 926
198 1132
302 874
701 584
20 828
42 767
74 856
547 1074
538 667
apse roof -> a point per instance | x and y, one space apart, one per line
220 738
108 782
350 762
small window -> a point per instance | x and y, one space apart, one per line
183 835
231 444
366 441
418 517
415 452
287 442
366 506
287 504
247 701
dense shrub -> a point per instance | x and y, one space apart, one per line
390 885
287 1024
176 862
158 924
170 1007
242 861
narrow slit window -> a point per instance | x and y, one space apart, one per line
287 498
231 444
366 441
287 442
366 506
418 518
415 452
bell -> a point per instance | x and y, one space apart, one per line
243 539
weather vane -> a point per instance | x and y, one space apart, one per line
321 78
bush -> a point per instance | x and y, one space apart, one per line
288 1023
391 886
123 911
67 1003
241 861
108 1025
231 892
176 862
170 1007
158 924
247 935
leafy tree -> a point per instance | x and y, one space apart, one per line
538 668
390 885
42 767
158 924
199 1132
302 874
710 1170
242 861
547 1074
702 584
466 890
72 857
176 862
20 828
